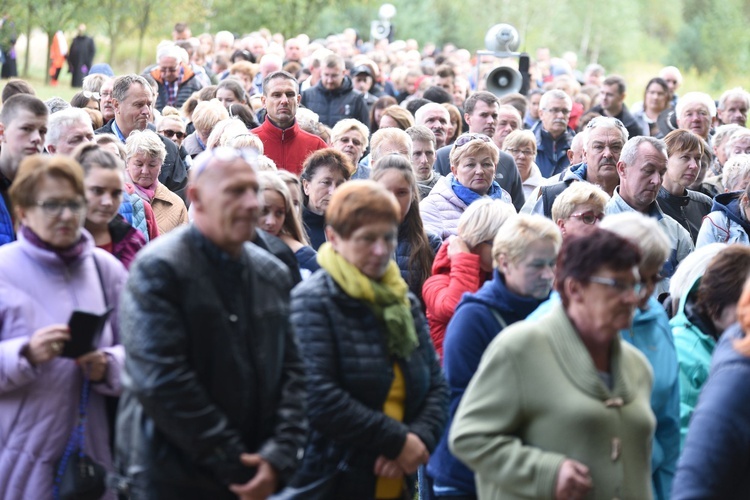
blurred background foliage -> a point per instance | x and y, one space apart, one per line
706 39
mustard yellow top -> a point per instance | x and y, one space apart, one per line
386 488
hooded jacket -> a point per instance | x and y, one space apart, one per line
552 154
726 223
333 106
714 462
470 331
695 340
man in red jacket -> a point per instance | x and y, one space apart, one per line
283 139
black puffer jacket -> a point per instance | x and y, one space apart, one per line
349 375
335 105
212 369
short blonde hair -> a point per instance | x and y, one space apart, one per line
244 68
266 164
102 139
736 169
388 136
578 193
347 124
642 231
516 235
207 114
473 148
482 220
226 130
518 139
400 115
146 142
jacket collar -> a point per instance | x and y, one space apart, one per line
576 361
282 134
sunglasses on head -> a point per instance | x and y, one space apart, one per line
171 133
464 139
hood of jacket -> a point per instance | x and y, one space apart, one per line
729 205
495 294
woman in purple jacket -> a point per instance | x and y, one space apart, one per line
52 270
104 183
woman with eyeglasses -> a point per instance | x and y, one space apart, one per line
473 160
523 256
376 397
105 184
521 145
53 269
705 311
580 205
350 136
145 155
559 406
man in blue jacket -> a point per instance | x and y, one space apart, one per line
553 136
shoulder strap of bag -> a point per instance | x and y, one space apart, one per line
499 318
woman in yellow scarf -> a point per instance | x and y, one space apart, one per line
376 397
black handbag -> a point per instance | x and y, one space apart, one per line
323 488
78 477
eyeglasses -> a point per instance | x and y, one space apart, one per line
108 93
223 154
589 218
464 139
525 152
621 287
54 208
91 95
555 111
172 133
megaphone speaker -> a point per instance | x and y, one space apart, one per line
504 80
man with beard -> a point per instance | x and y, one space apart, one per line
132 101
334 97
603 140
553 136
481 112
641 168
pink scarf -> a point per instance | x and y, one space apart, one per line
145 193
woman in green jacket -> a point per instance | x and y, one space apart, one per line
559 407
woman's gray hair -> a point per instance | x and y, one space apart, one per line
147 142
642 231
736 169
482 220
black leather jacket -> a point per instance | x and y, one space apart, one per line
212 369
349 375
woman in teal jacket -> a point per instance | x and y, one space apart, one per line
704 313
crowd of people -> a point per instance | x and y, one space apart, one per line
329 269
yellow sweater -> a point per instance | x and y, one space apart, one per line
386 488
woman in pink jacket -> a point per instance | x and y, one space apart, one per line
52 270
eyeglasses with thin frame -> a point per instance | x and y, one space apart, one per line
171 133
54 208
464 139
589 218
622 287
